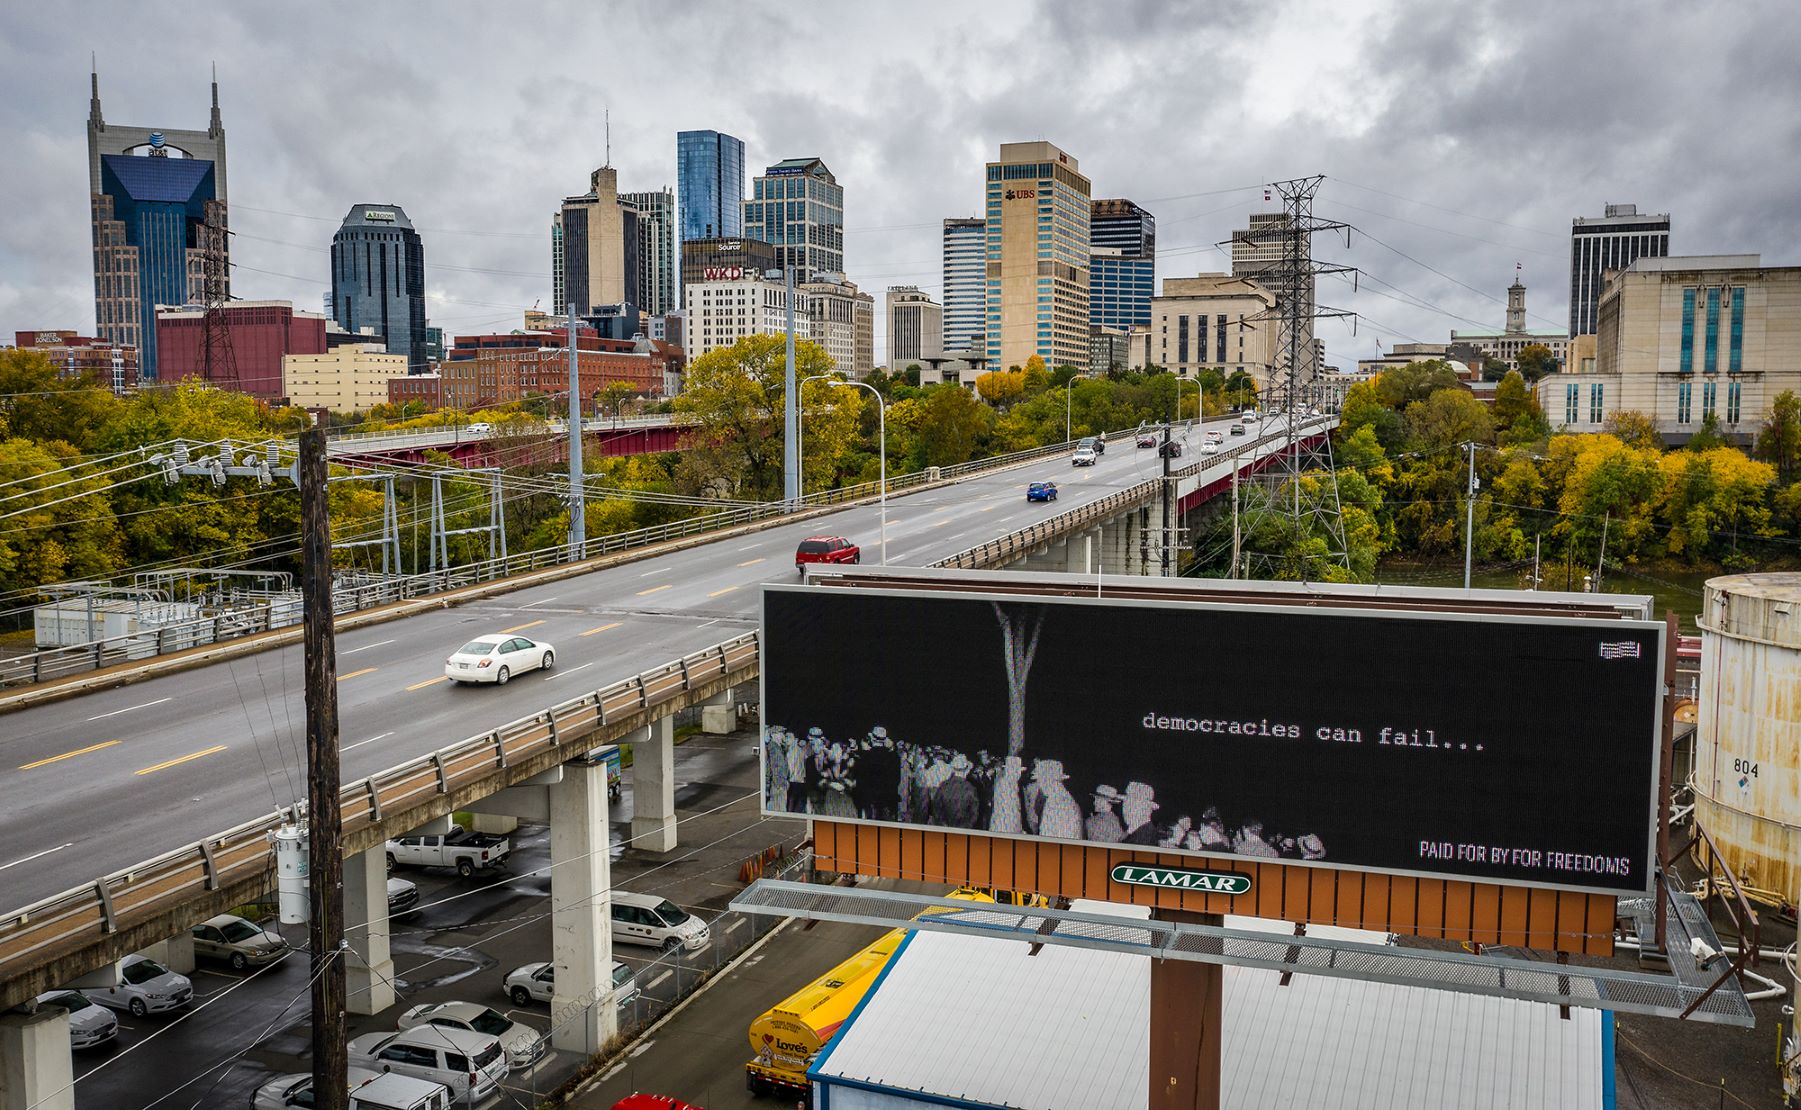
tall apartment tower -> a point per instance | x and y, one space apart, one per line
1609 243
658 262
558 302
600 248
1123 262
378 280
157 199
1037 267
709 172
798 207
965 284
915 327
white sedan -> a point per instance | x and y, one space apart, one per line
524 1044
498 658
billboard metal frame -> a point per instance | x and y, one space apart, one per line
1317 600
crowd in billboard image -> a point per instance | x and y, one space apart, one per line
1508 750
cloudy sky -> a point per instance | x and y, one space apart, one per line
1459 138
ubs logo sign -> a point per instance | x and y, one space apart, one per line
1021 194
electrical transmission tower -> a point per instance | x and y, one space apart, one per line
1292 525
219 367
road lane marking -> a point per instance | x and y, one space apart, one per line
35 855
129 708
602 628
750 547
658 981
68 755
427 682
371 740
366 647
719 593
753 562
522 627
180 759
942 523
546 601
353 674
570 670
987 508
657 570
657 589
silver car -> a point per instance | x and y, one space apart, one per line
237 942
89 1025
535 983
285 1091
498 658
524 1044
145 987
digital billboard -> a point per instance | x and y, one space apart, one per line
1517 749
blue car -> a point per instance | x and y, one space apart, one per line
1041 491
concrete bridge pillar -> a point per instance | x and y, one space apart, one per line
653 787
719 714
176 953
582 1013
37 1071
370 969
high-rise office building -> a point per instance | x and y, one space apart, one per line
658 261
797 206
1610 242
1258 252
600 248
1123 262
559 302
378 280
1037 266
965 284
709 171
915 327
840 318
158 202
728 303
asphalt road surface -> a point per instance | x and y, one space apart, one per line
96 783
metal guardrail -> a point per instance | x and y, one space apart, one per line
361 594
454 432
1721 885
113 902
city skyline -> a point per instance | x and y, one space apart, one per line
910 142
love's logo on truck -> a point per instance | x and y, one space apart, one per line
1176 878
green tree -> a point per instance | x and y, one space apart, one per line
954 425
1493 369
1779 441
1707 436
54 534
736 394
37 403
1400 386
1447 418
1535 360
1364 406
1634 429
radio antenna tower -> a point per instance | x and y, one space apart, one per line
219 367
1294 504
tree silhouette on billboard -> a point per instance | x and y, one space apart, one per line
1019 636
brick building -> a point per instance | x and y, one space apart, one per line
262 333
84 356
486 370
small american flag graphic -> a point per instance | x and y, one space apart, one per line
1619 649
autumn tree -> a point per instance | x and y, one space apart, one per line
1001 388
1634 429
1535 360
736 394
1779 441
953 425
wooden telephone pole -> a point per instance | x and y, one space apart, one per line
325 863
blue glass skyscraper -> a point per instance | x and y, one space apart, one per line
1123 246
378 280
709 168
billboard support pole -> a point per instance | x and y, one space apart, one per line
1186 1018
1666 762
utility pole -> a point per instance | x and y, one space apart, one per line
790 406
325 875
578 493
1236 539
1168 524
1469 518
1601 559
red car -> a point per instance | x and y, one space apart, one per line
652 1102
826 549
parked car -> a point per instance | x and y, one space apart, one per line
403 895
89 1025
1084 456
144 987
524 1045
826 549
466 851
534 983
1171 450
237 942
497 658
296 1089
648 919
653 1102
1147 439
1041 491
470 1064
1094 443
401 1092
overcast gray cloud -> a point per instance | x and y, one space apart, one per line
1463 136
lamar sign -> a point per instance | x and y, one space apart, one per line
1210 882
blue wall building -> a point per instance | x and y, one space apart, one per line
709 169
378 280
1122 268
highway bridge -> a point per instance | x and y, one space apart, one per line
135 808
470 445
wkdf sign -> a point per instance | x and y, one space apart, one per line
1517 748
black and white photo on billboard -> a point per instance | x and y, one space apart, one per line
1511 749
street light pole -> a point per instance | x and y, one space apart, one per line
790 408
881 409
799 430
1069 392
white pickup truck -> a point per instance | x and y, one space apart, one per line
466 851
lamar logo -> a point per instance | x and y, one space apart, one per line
1209 882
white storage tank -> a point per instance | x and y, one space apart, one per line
1747 774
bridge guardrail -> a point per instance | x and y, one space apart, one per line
432 431
63 922
351 597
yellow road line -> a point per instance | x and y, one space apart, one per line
602 628
427 682
521 627
656 589
752 562
727 590
353 674
68 755
180 759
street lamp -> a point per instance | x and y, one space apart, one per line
881 408
1200 398
790 403
1069 390
800 458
